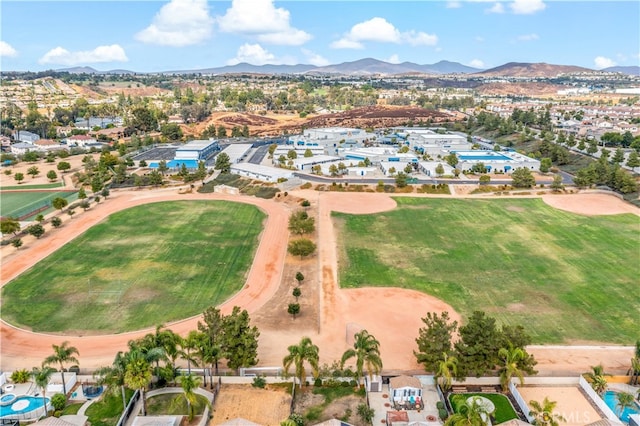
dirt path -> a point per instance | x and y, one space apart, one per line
590 204
391 314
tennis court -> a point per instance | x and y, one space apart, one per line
20 203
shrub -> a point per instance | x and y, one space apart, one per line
440 405
297 418
442 413
305 203
365 413
259 382
345 384
58 401
317 382
20 376
353 383
306 185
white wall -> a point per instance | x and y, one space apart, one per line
597 400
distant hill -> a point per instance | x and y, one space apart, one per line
244 68
630 70
89 70
524 69
370 66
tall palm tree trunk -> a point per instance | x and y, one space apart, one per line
64 385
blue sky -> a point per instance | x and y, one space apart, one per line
193 34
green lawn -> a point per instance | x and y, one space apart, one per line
565 277
504 411
15 204
141 267
174 404
108 410
40 186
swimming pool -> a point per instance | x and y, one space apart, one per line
611 400
21 407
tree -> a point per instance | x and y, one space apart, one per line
213 329
401 180
511 357
479 168
52 175
9 225
222 131
297 293
56 222
434 340
293 309
543 414
138 374
33 171
59 203
71 212
105 192
240 340
82 194
365 413
484 179
633 161
300 223
36 230
155 178
366 351
625 400
333 170
291 154
113 376
42 376
477 349
162 167
597 380
63 166
189 384
447 370
299 277
62 355
223 163
522 178
201 172
308 153
557 184
305 351
171 131
452 159
439 169
188 345
618 157
301 247
469 412
19 177
17 243
545 165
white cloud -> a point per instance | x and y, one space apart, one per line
179 23
602 62
527 7
528 37
60 55
291 37
257 55
476 63
453 4
7 50
262 19
393 59
380 30
315 59
479 39
496 8
344 43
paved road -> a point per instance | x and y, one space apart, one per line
259 155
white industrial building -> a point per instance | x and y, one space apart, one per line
336 134
429 168
501 162
390 168
306 163
197 150
434 144
299 150
237 151
376 155
259 172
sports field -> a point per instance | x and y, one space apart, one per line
565 277
141 267
16 204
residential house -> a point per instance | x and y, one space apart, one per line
22 148
81 140
25 136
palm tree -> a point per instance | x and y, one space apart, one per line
42 376
625 400
61 355
113 376
543 414
366 350
189 345
469 413
189 384
298 354
511 357
596 377
138 375
447 369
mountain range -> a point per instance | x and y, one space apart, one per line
370 66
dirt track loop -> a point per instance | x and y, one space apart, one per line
391 314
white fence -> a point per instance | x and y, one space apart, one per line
520 400
609 414
55 384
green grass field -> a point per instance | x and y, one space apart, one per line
565 277
15 204
141 267
41 186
